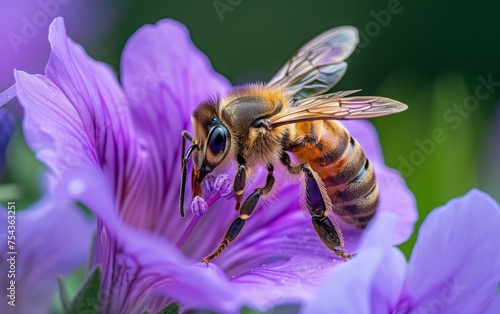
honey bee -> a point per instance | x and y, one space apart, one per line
263 124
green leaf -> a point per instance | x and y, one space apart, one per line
172 308
289 308
63 294
86 300
200 311
247 310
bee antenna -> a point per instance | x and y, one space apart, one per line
184 174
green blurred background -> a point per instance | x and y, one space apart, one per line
426 54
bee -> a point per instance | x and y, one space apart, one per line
263 124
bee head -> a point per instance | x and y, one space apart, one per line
213 148
213 140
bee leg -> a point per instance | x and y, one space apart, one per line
245 212
185 136
184 161
316 200
240 181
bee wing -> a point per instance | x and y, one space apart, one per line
336 107
319 64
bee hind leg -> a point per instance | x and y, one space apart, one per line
244 213
316 203
329 236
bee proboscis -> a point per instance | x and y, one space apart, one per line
262 124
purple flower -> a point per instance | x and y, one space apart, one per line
49 239
454 266
117 150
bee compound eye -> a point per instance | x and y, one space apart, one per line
217 140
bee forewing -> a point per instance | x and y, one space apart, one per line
333 107
319 64
366 107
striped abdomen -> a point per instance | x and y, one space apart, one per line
342 165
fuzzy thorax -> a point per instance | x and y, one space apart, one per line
241 108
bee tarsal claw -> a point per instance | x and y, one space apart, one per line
343 254
206 260
353 255
212 256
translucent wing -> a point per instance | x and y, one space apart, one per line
336 107
318 65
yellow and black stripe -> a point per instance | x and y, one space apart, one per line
342 166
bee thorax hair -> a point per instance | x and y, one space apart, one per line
242 109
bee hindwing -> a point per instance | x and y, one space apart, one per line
319 64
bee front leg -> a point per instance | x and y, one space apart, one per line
245 213
316 203
185 136
184 161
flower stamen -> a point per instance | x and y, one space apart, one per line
216 188
199 206
210 183
224 186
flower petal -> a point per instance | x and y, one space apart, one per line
51 125
396 198
165 82
170 74
143 272
52 239
369 283
7 95
76 114
278 258
165 76
455 264
494 307
290 281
